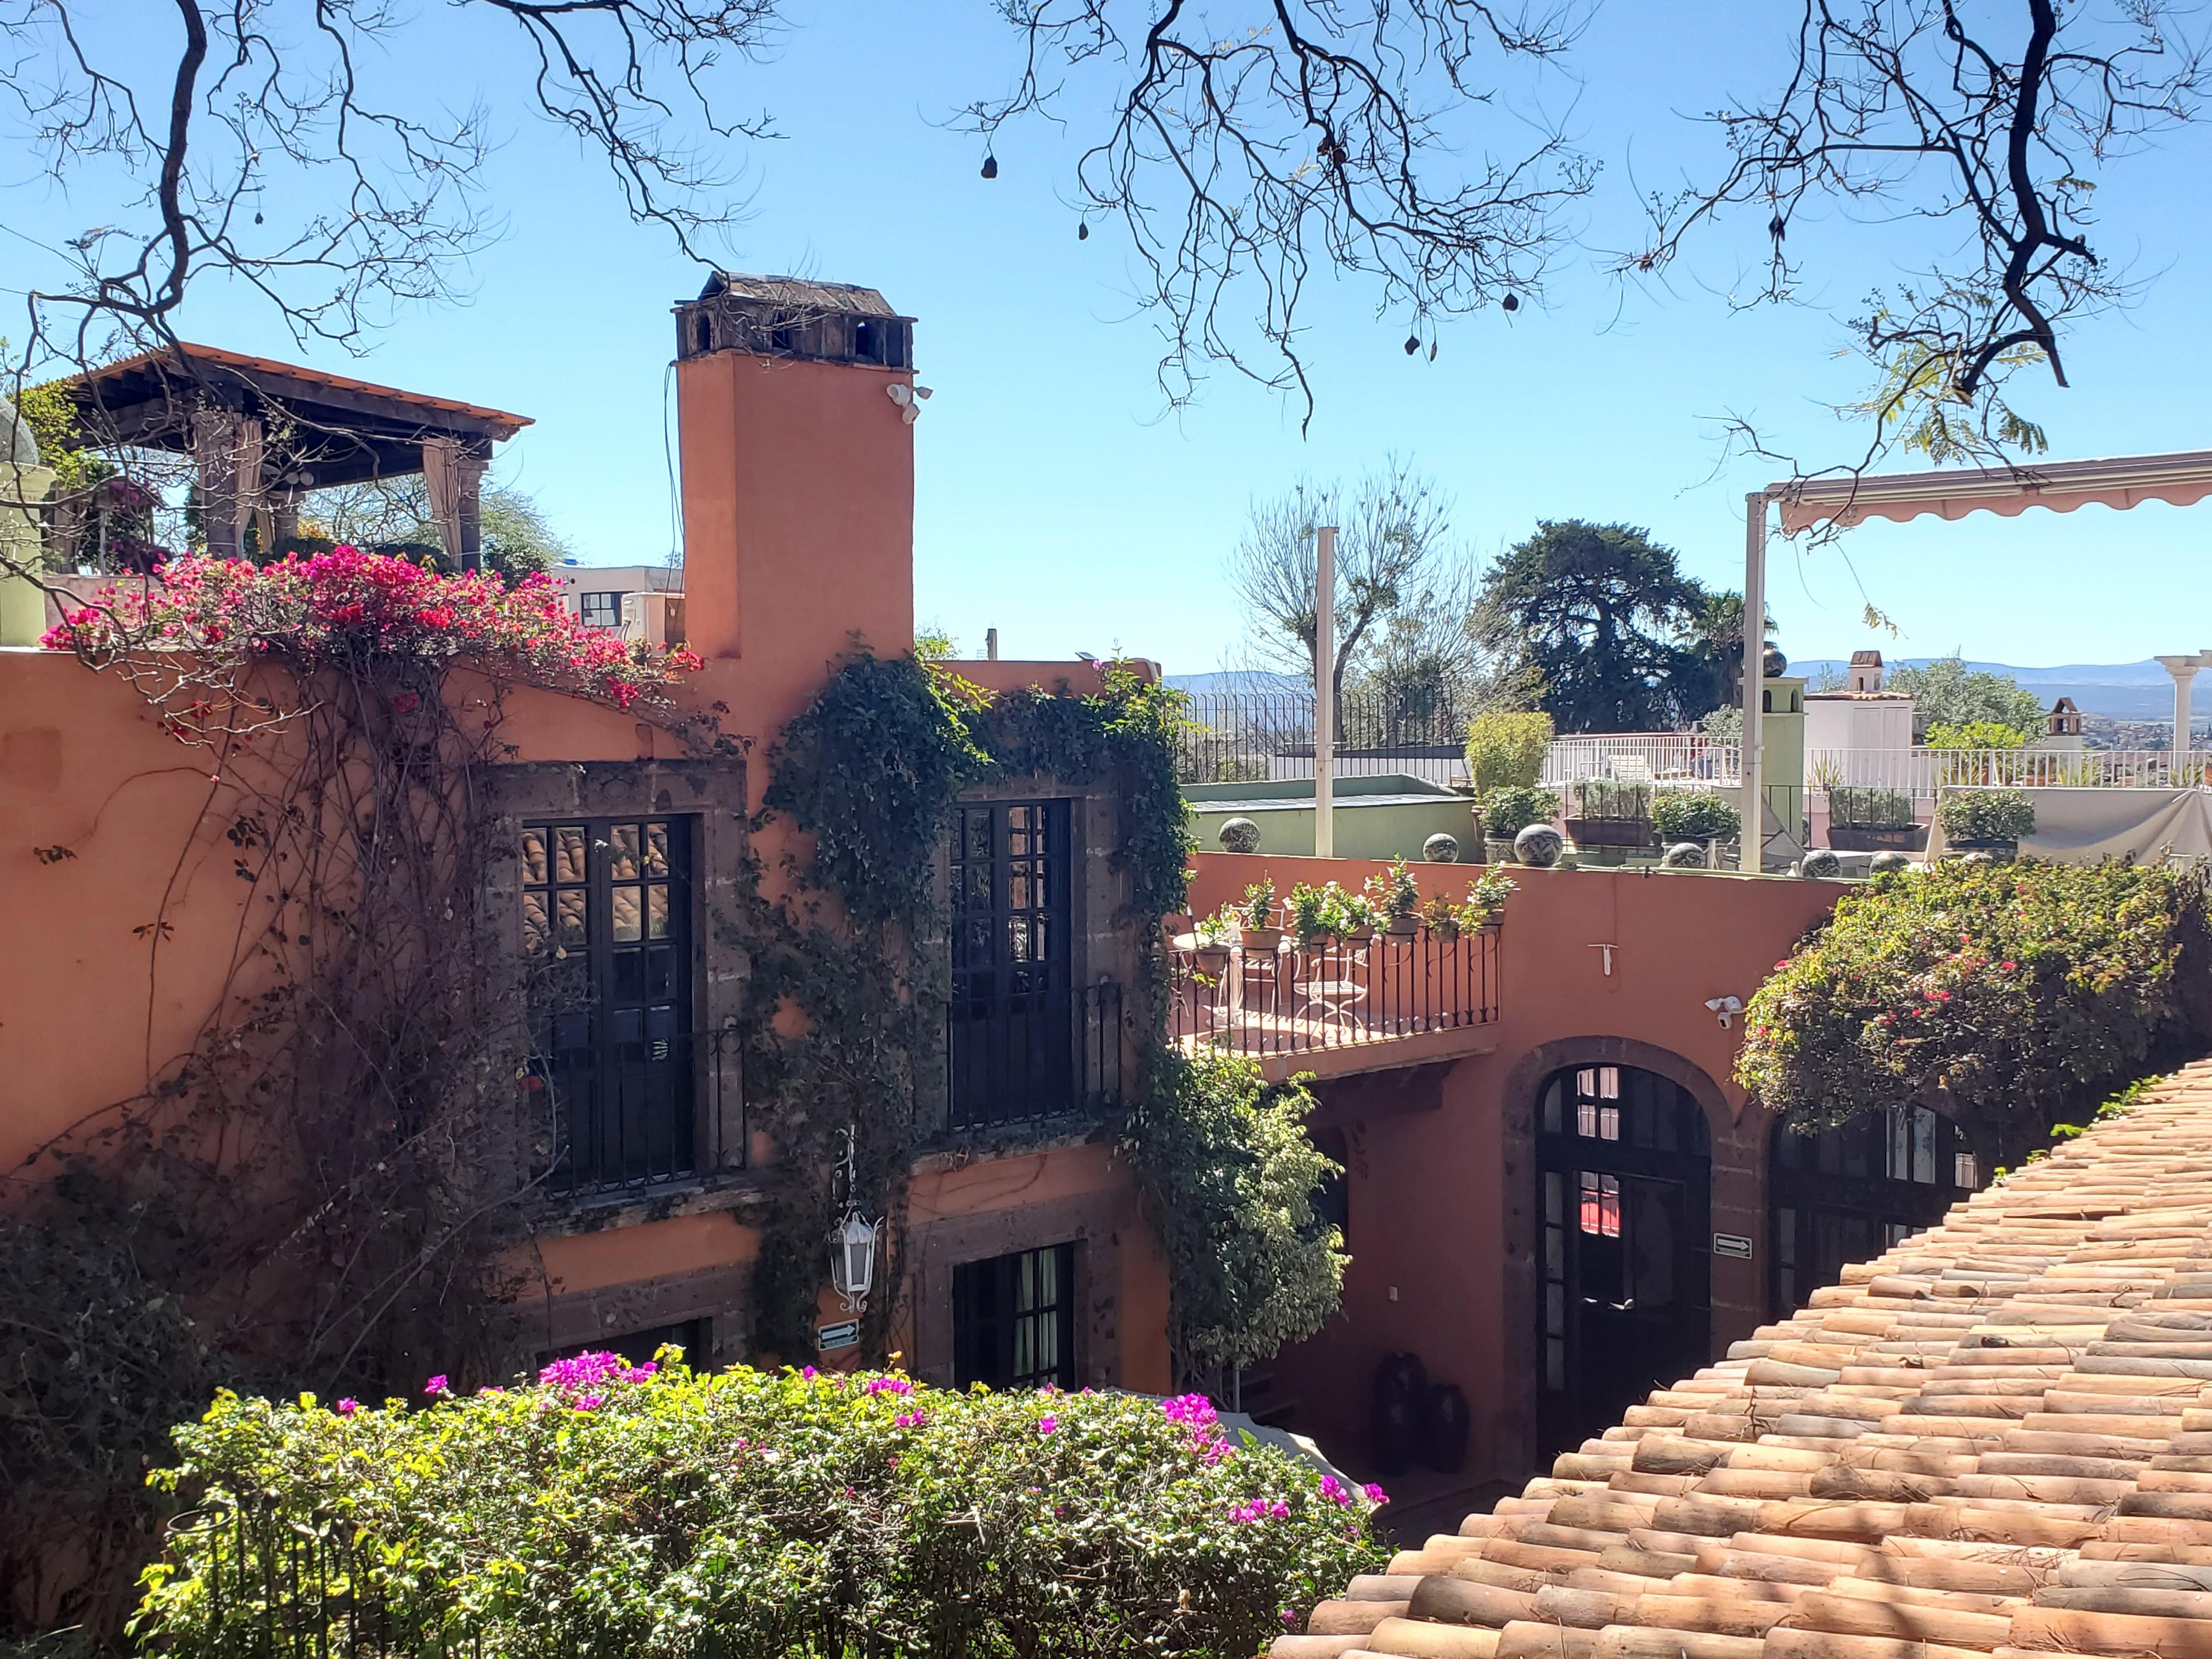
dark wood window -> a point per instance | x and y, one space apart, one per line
606 920
1851 1191
1025 1041
635 1347
1013 1320
600 610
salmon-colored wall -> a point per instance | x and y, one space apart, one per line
797 482
1443 1184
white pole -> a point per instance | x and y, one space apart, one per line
1753 840
1325 692
2184 670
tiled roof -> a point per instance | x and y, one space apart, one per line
1996 1439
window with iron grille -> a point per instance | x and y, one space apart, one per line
1013 1320
606 919
600 610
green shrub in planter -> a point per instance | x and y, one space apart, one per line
656 1513
1852 808
1695 815
1506 812
1986 815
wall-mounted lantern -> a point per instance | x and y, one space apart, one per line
853 1242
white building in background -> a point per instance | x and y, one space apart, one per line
1862 715
597 593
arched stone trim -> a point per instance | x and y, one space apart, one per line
1739 1206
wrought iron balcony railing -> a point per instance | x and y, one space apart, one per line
1033 1056
1289 1000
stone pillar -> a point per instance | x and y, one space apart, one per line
221 491
2184 670
22 601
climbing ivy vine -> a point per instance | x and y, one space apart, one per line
871 772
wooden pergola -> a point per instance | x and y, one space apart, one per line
2180 479
261 433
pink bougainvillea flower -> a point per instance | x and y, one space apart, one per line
348 1406
437 1385
1374 1493
590 1403
1047 1423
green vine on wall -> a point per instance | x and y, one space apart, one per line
871 772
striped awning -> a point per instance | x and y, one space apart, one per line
2179 479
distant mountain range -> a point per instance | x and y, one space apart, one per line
2120 691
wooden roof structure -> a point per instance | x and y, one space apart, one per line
336 429
1992 1442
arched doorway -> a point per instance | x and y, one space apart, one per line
1624 1204
1847 1192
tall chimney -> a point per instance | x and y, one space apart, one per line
796 405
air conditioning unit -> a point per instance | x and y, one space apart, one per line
657 618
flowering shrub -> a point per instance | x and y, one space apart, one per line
2024 990
619 1510
346 607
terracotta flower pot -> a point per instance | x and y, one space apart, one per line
1260 938
1404 927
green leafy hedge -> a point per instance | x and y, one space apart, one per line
2025 990
1986 815
1695 815
612 1511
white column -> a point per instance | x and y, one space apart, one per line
1325 692
2184 670
1753 840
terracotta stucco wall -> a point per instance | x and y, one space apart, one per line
1442 1182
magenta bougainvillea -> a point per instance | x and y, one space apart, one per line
346 608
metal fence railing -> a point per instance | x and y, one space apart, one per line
1041 1054
1238 736
1922 773
1291 1000
1661 756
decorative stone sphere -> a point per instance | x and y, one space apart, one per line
1976 858
1774 664
1882 864
1240 836
1441 848
1539 846
1821 862
1683 855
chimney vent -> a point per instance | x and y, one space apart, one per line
790 317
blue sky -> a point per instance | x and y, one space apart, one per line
1059 504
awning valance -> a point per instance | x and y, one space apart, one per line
2179 480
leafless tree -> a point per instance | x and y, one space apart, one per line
1985 122
284 144
1393 557
1245 147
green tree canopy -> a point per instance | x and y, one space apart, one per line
1946 693
1601 618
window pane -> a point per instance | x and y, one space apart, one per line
535 922
571 918
656 911
533 856
622 852
628 919
656 849
568 853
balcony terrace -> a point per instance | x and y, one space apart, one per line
1350 1005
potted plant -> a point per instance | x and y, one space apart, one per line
1700 815
1255 917
1215 934
1307 911
1506 812
1441 917
1358 917
1862 820
1486 899
1611 812
1394 893
1989 821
